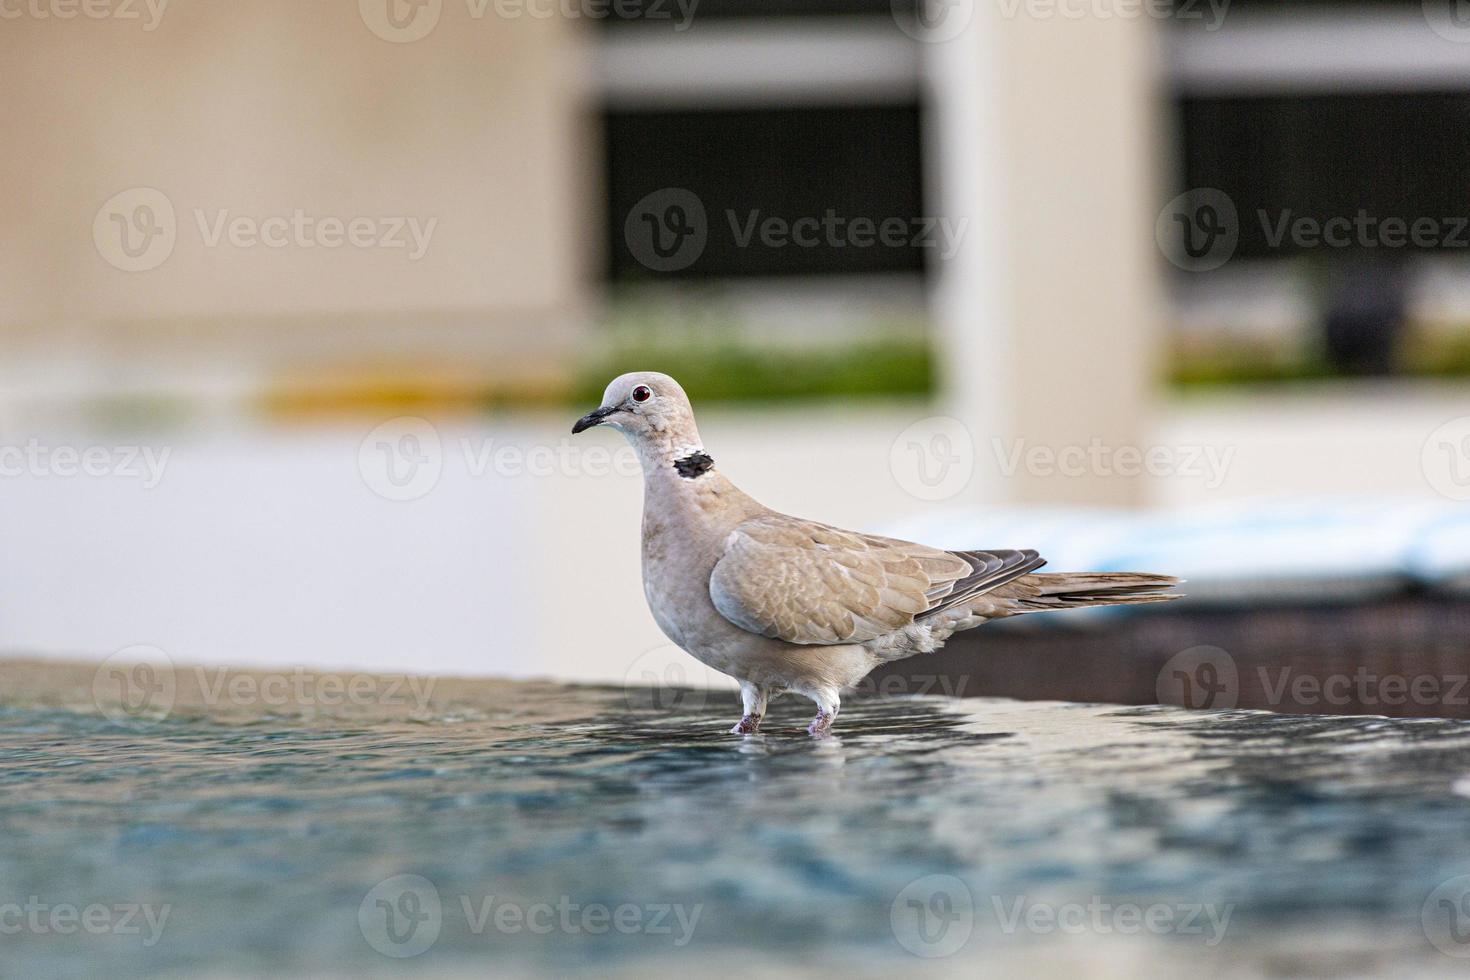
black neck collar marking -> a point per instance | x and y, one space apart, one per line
694 465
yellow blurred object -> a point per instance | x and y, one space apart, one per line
435 388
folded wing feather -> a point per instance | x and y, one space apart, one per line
810 583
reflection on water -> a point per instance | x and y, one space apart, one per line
525 828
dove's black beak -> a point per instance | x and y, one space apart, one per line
592 418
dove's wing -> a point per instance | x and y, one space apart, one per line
805 582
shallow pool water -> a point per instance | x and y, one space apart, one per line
537 828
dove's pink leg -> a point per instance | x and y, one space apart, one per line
754 701
827 707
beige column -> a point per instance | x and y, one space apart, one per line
1051 313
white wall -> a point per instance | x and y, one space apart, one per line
271 547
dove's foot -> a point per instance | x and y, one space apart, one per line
749 725
753 700
821 725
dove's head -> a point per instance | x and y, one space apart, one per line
650 409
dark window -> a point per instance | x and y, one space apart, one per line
1403 156
655 10
1276 5
747 167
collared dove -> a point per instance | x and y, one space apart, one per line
784 604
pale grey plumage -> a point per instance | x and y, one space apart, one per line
785 604
805 582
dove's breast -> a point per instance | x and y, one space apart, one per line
676 573
684 533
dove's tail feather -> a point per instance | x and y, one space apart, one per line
1074 590
1030 593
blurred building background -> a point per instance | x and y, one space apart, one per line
348 271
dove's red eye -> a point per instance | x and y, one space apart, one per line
642 393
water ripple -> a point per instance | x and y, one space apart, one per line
264 835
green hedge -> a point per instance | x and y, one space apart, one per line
726 371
